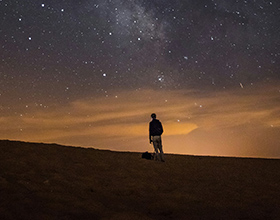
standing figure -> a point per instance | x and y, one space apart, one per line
155 132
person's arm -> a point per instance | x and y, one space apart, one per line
161 128
150 138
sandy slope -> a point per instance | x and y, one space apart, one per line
39 181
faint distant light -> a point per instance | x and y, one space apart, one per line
186 58
212 38
200 106
161 78
139 38
178 120
19 19
29 38
62 10
241 85
110 33
43 5
104 74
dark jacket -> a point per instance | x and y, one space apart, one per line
155 128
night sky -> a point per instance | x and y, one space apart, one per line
90 72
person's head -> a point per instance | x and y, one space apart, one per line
153 116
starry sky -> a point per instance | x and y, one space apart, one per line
90 73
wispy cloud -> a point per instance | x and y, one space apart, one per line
124 116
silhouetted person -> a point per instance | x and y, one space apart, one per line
155 132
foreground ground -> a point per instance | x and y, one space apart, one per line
39 181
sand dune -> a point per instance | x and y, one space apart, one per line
48 181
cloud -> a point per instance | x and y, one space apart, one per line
189 117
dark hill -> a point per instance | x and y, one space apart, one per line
48 181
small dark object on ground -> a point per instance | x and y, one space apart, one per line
148 156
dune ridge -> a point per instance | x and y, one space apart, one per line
50 181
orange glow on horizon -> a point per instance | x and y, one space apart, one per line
228 123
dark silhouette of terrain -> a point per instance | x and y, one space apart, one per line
48 181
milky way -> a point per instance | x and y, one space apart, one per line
54 53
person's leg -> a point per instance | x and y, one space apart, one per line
161 154
156 147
